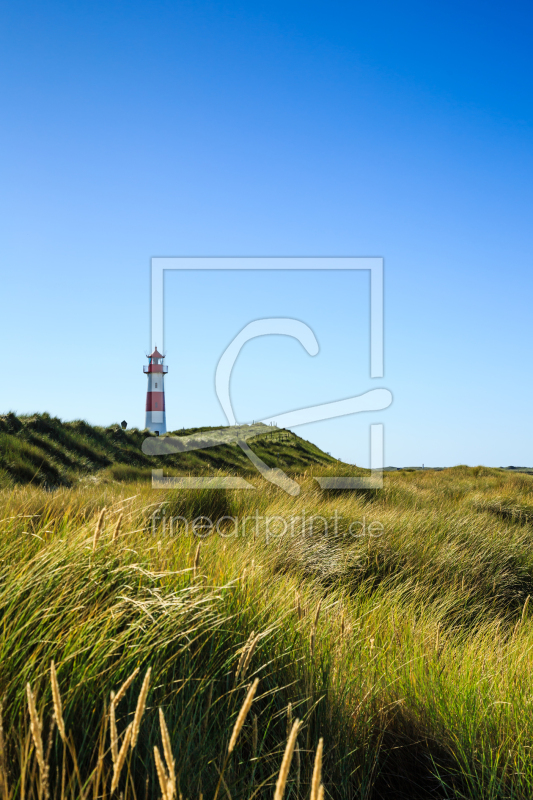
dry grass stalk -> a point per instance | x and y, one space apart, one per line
321 792
169 758
298 767
316 780
289 719
2 752
35 727
125 686
254 736
3 768
525 608
317 612
58 707
98 529
161 773
117 769
242 658
249 655
437 638
36 733
113 729
330 713
53 724
313 629
286 762
298 605
196 560
242 715
139 711
117 526
205 720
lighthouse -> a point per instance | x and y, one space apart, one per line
155 394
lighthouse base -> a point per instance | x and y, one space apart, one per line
156 423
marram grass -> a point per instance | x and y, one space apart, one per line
396 663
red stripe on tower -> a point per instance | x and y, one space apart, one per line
155 401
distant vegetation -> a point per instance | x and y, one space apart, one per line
395 624
43 450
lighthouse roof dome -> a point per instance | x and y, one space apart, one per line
156 354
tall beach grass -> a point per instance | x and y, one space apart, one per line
400 636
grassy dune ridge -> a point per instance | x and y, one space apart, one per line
43 450
407 647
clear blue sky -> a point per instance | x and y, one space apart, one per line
276 128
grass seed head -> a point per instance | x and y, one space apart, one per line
139 711
117 769
36 733
117 526
125 686
161 773
317 771
242 715
98 529
249 655
169 758
286 762
35 726
58 707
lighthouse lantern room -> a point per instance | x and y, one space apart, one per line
155 394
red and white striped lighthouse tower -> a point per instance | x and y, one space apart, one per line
155 395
